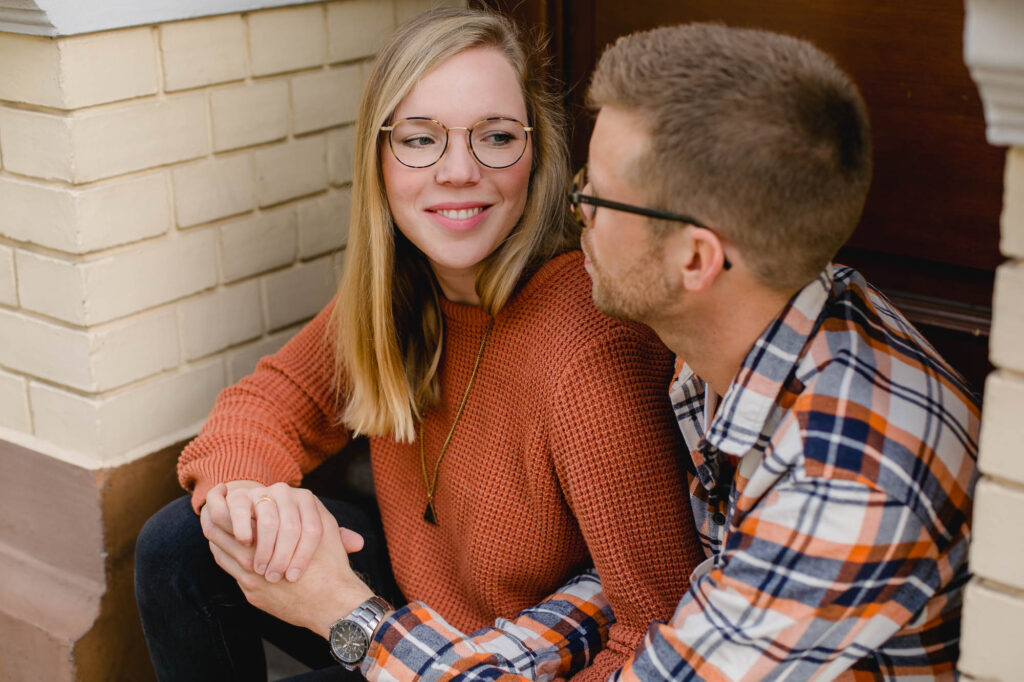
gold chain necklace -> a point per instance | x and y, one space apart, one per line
429 515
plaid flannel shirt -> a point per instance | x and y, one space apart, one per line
832 490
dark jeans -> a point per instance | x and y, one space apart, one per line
198 624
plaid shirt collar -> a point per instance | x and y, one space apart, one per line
743 421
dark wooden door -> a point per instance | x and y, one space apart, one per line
930 230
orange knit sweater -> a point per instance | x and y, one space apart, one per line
567 451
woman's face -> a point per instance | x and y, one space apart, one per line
458 211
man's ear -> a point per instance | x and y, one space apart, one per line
703 258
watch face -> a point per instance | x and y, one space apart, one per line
349 642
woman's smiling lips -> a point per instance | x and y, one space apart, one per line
459 216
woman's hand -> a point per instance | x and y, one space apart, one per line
284 523
329 590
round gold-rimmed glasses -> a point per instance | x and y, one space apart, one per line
496 142
584 206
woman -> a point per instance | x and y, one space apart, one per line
516 434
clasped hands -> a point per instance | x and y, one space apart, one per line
285 550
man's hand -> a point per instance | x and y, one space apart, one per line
287 528
329 588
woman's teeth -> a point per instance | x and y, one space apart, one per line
461 214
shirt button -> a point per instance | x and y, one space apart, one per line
718 518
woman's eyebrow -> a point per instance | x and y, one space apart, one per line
483 117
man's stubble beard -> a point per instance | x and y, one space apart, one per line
638 295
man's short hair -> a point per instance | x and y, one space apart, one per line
761 135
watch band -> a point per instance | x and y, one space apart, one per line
367 616
370 613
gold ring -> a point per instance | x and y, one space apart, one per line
265 498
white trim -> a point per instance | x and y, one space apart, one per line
994 53
71 17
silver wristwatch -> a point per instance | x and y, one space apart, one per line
351 636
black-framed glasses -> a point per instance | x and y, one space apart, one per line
584 206
496 142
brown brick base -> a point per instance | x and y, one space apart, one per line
67 539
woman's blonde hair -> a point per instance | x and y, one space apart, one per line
387 326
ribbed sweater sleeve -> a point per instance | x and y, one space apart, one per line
604 464
274 425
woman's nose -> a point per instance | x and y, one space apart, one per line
458 166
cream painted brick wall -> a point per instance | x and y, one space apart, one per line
226 317
108 66
202 52
997 548
138 278
8 286
123 309
258 243
1012 243
249 114
36 144
46 350
287 39
323 223
30 70
990 639
36 212
14 412
340 152
214 189
1006 344
95 360
104 142
242 361
83 220
291 170
338 263
135 348
1002 428
406 9
133 137
121 211
67 419
129 418
78 71
325 98
298 293
358 28
52 286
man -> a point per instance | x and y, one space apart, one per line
833 449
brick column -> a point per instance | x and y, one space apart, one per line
994 603
174 203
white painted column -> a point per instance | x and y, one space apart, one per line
994 603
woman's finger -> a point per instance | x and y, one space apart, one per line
265 509
241 511
217 507
312 532
289 532
226 543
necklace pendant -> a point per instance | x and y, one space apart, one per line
428 514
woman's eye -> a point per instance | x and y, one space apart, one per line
419 141
498 139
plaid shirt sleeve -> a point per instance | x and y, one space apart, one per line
553 639
805 590
821 569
